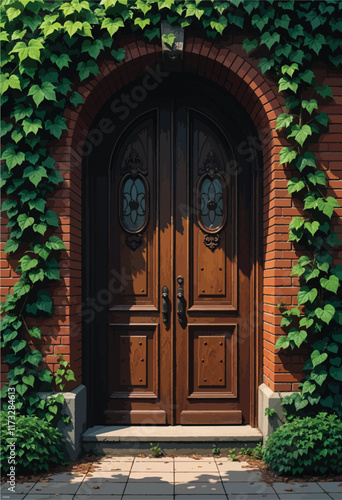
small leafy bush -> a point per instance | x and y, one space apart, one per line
310 445
30 446
156 450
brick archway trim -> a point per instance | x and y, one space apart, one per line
241 78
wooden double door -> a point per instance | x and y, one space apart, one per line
179 327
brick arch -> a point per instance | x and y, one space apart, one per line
240 77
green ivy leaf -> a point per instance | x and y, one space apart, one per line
51 218
55 243
284 120
46 91
21 389
31 50
18 345
219 25
62 60
36 275
324 91
330 284
249 45
169 39
32 126
323 119
44 302
34 358
305 295
282 343
25 221
35 174
112 25
35 332
325 314
12 158
56 126
11 246
27 263
29 380
336 373
119 54
87 68
295 185
287 155
310 106
317 358
269 39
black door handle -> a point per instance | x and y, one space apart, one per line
180 299
165 305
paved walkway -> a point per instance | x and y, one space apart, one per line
179 478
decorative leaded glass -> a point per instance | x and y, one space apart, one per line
133 203
211 203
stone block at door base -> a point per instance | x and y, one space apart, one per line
269 399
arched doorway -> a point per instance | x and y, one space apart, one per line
170 259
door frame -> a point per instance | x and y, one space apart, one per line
94 270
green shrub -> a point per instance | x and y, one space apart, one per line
30 446
309 445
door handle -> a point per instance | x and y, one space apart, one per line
165 305
180 299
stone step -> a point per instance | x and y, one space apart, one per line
178 439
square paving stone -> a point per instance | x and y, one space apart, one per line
195 466
247 496
12 496
35 496
203 497
196 488
20 488
147 497
151 477
201 477
139 488
64 477
240 476
297 488
54 487
109 458
101 488
331 487
105 476
113 466
194 459
305 496
98 497
246 488
152 467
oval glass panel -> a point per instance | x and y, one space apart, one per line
211 203
133 203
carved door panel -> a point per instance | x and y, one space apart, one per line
179 230
213 267
139 258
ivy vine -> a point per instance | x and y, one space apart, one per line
48 47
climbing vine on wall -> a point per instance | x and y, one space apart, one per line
48 47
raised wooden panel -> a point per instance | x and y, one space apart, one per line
121 417
133 360
134 371
212 236
213 417
213 361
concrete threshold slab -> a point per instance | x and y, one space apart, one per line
167 434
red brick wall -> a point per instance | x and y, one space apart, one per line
239 75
